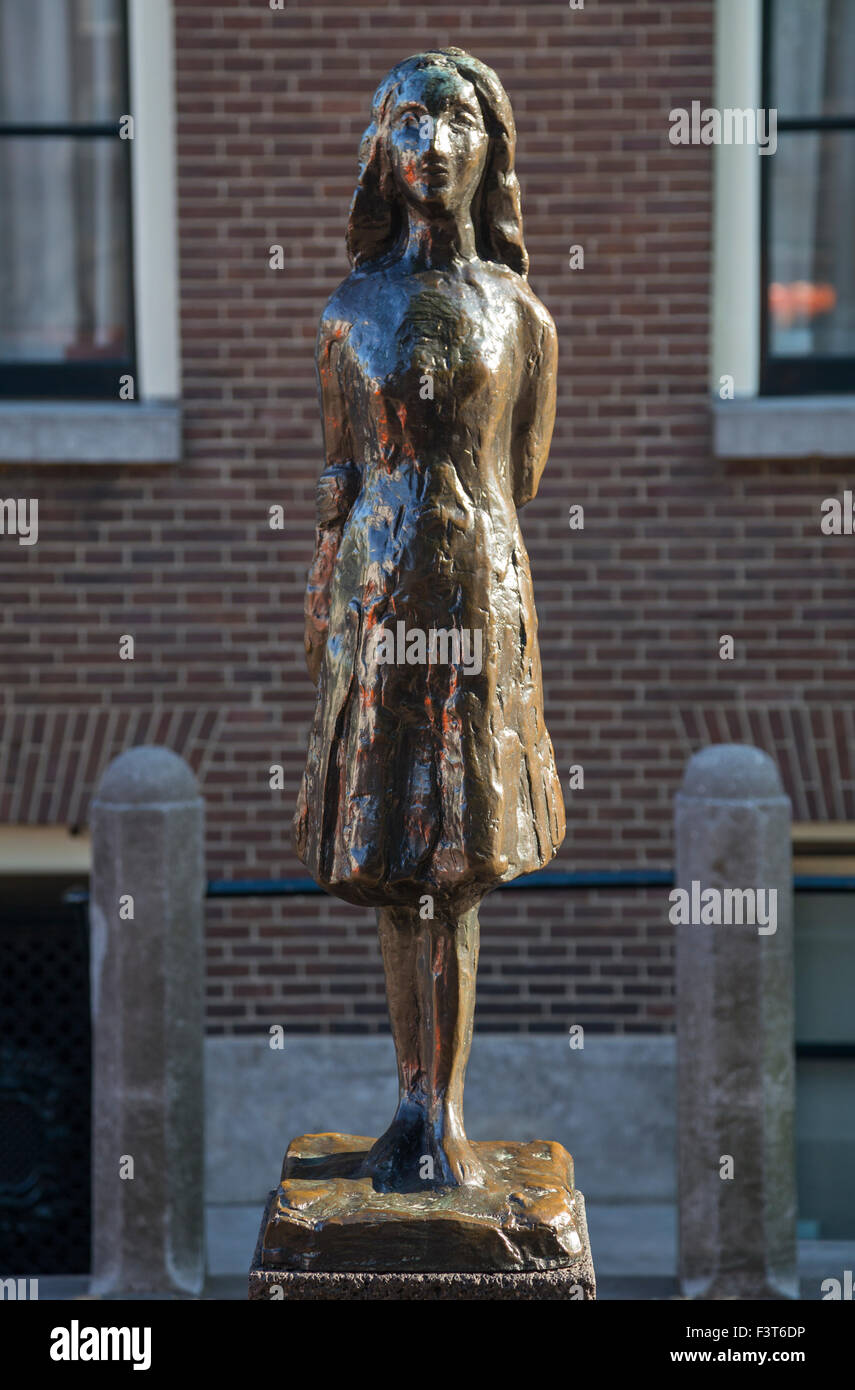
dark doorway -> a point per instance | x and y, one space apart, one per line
45 1080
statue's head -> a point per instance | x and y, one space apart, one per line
441 141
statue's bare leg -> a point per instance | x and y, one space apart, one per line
430 984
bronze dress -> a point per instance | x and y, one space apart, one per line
431 777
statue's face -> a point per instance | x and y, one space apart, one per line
436 141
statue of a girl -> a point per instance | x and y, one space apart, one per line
430 775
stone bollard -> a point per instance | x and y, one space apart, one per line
735 1029
147 968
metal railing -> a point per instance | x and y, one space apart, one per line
584 878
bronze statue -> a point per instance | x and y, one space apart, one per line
430 775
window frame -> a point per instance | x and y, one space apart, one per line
811 374
97 379
146 431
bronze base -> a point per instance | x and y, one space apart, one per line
326 1218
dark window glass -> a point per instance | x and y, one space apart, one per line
812 50
61 60
812 246
66 320
63 274
809 198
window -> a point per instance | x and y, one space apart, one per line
66 299
783 287
88 233
825 1028
808 199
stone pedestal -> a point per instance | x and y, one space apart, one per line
147 966
735 1031
327 1233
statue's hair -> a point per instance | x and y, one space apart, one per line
377 217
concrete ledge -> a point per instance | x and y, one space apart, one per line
610 1104
90 432
784 427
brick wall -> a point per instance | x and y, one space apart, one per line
677 549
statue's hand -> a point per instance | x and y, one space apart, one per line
337 487
317 603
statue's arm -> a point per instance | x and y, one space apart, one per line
534 415
336 491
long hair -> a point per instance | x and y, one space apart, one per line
377 216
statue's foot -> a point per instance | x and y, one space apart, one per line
465 1166
412 1157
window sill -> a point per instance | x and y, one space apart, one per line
784 427
90 432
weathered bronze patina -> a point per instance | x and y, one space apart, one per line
327 1214
430 775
